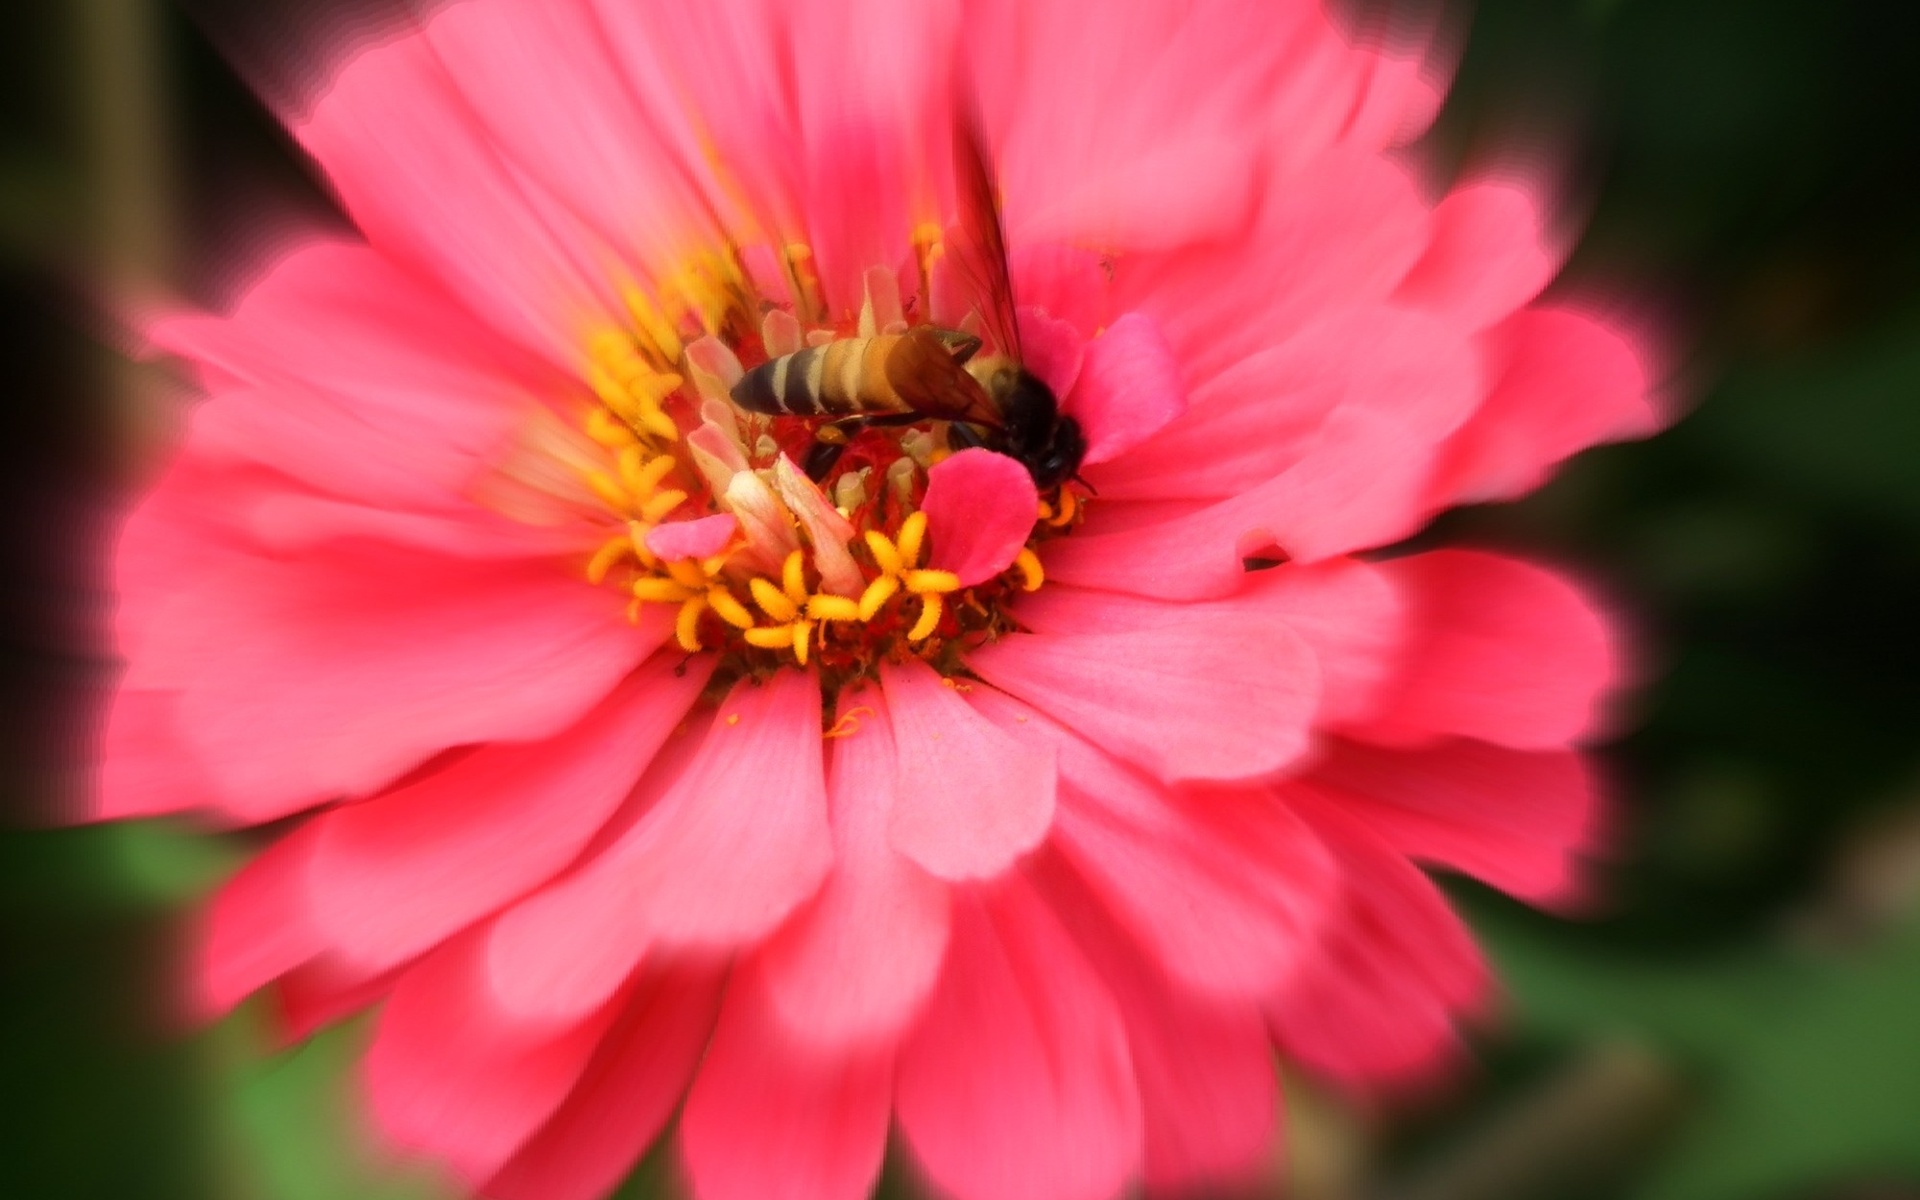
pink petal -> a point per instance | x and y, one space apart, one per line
1208 1089
733 846
332 674
391 876
770 1118
1499 650
1517 820
980 509
1379 1007
1569 381
1129 388
1191 699
443 1077
144 767
1018 1084
1486 258
1051 348
701 538
1065 282
257 927
1229 891
970 800
324 990
625 1096
859 961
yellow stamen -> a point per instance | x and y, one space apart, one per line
686 626
657 590
922 583
1046 511
656 421
793 577
659 334
604 558
629 463
662 504
689 573
1031 573
930 608
884 552
657 469
731 610
770 637
848 724
832 608
611 494
637 534
802 640
913 531
772 600
1069 503
877 594
609 430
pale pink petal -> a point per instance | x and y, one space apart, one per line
1129 388
734 845
827 531
1569 381
1052 349
1018 1084
256 929
1487 256
1208 1090
392 875
980 508
770 1118
858 962
1191 699
625 1095
1498 650
1516 820
1228 890
1378 1008
332 674
145 769
1065 282
443 1077
701 538
970 800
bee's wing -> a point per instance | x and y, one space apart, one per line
924 374
978 254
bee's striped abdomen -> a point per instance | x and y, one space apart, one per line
843 378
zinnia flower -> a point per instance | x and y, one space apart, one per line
638 772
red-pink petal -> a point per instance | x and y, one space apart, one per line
1129 388
1018 1084
734 845
970 800
701 538
980 508
391 876
1191 699
1498 650
1051 348
624 1097
257 927
859 961
1516 820
144 768
770 1118
1486 258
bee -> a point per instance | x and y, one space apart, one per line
930 372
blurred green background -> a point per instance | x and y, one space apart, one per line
1739 1015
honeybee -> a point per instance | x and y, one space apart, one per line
930 372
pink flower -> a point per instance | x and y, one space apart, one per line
637 768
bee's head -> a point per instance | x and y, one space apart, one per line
1048 444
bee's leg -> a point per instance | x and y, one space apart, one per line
962 346
829 443
962 436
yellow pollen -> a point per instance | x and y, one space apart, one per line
924 583
657 422
730 610
637 534
604 558
1032 575
772 600
1046 511
884 552
930 608
650 476
793 578
770 637
609 430
877 594
913 531
833 608
662 504
655 328
686 626
656 590
733 718
802 639
1069 503
611 494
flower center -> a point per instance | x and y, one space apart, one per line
711 518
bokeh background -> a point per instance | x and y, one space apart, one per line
1738 1015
